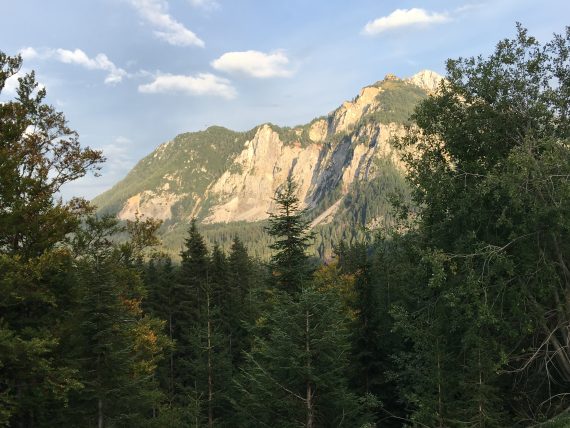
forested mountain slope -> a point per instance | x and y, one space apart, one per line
344 163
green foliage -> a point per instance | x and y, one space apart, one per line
39 153
290 230
191 161
296 370
489 164
398 100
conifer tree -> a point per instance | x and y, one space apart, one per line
290 263
297 370
202 356
240 305
116 345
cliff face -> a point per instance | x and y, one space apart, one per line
221 176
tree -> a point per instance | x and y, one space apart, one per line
240 305
290 263
202 356
296 372
116 346
488 159
39 153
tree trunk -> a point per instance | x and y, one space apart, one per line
171 377
100 413
210 380
309 396
439 389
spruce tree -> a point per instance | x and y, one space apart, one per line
116 346
290 264
241 303
297 370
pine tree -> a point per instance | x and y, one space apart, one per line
202 351
241 303
160 282
117 347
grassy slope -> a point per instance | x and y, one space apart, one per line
187 156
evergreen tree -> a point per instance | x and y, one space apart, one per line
290 263
240 305
296 373
202 357
117 347
160 281
189 298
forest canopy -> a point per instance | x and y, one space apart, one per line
457 316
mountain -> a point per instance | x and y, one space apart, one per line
344 163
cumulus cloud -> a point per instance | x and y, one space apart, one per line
99 62
78 57
11 84
29 53
155 12
201 84
404 18
254 63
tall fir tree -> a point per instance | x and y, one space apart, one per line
289 228
297 370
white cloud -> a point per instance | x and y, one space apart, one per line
155 12
201 84
404 18
99 62
78 57
205 4
469 7
254 63
11 84
29 53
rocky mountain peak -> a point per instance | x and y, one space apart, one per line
343 163
428 80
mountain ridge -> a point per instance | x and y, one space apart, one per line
222 176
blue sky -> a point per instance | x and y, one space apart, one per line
131 74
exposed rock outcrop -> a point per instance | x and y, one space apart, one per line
329 154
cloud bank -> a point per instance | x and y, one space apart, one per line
254 63
404 18
155 12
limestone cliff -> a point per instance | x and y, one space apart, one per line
221 176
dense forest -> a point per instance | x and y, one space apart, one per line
457 316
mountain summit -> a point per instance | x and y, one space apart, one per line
344 164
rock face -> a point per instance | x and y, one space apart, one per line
221 176
427 80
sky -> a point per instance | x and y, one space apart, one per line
132 74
